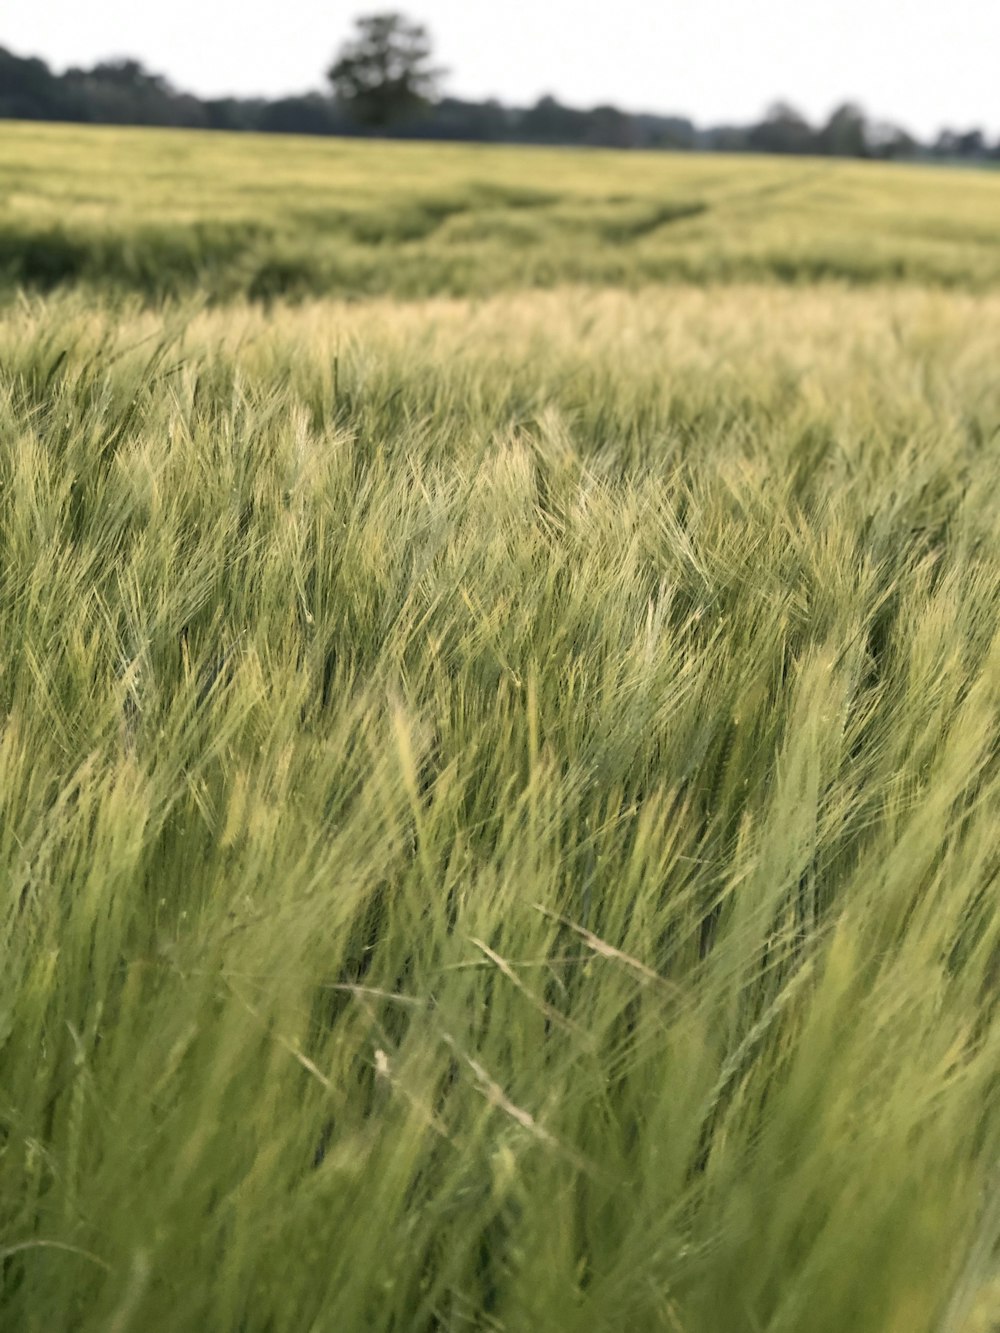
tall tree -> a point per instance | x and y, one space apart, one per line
383 74
783 130
846 132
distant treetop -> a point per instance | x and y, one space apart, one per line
383 74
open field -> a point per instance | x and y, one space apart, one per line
166 213
499 795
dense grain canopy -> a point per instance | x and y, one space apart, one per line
500 797
165 213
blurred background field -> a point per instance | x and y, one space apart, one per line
168 213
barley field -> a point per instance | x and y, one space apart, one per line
499 770
215 216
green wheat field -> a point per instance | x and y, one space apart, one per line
500 740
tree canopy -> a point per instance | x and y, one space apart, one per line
384 73
384 81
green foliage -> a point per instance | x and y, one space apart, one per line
383 74
499 811
166 214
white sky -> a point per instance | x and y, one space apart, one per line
925 63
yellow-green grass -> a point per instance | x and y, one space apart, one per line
499 808
173 212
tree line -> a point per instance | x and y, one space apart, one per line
383 82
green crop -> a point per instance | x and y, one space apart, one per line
169 213
498 798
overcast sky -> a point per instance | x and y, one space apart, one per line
924 63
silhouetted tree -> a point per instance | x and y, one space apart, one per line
954 143
234 113
971 144
124 92
846 132
384 81
888 140
673 132
727 139
607 127
383 74
453 118
311 114
129 75
30 91
783 130
548 121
